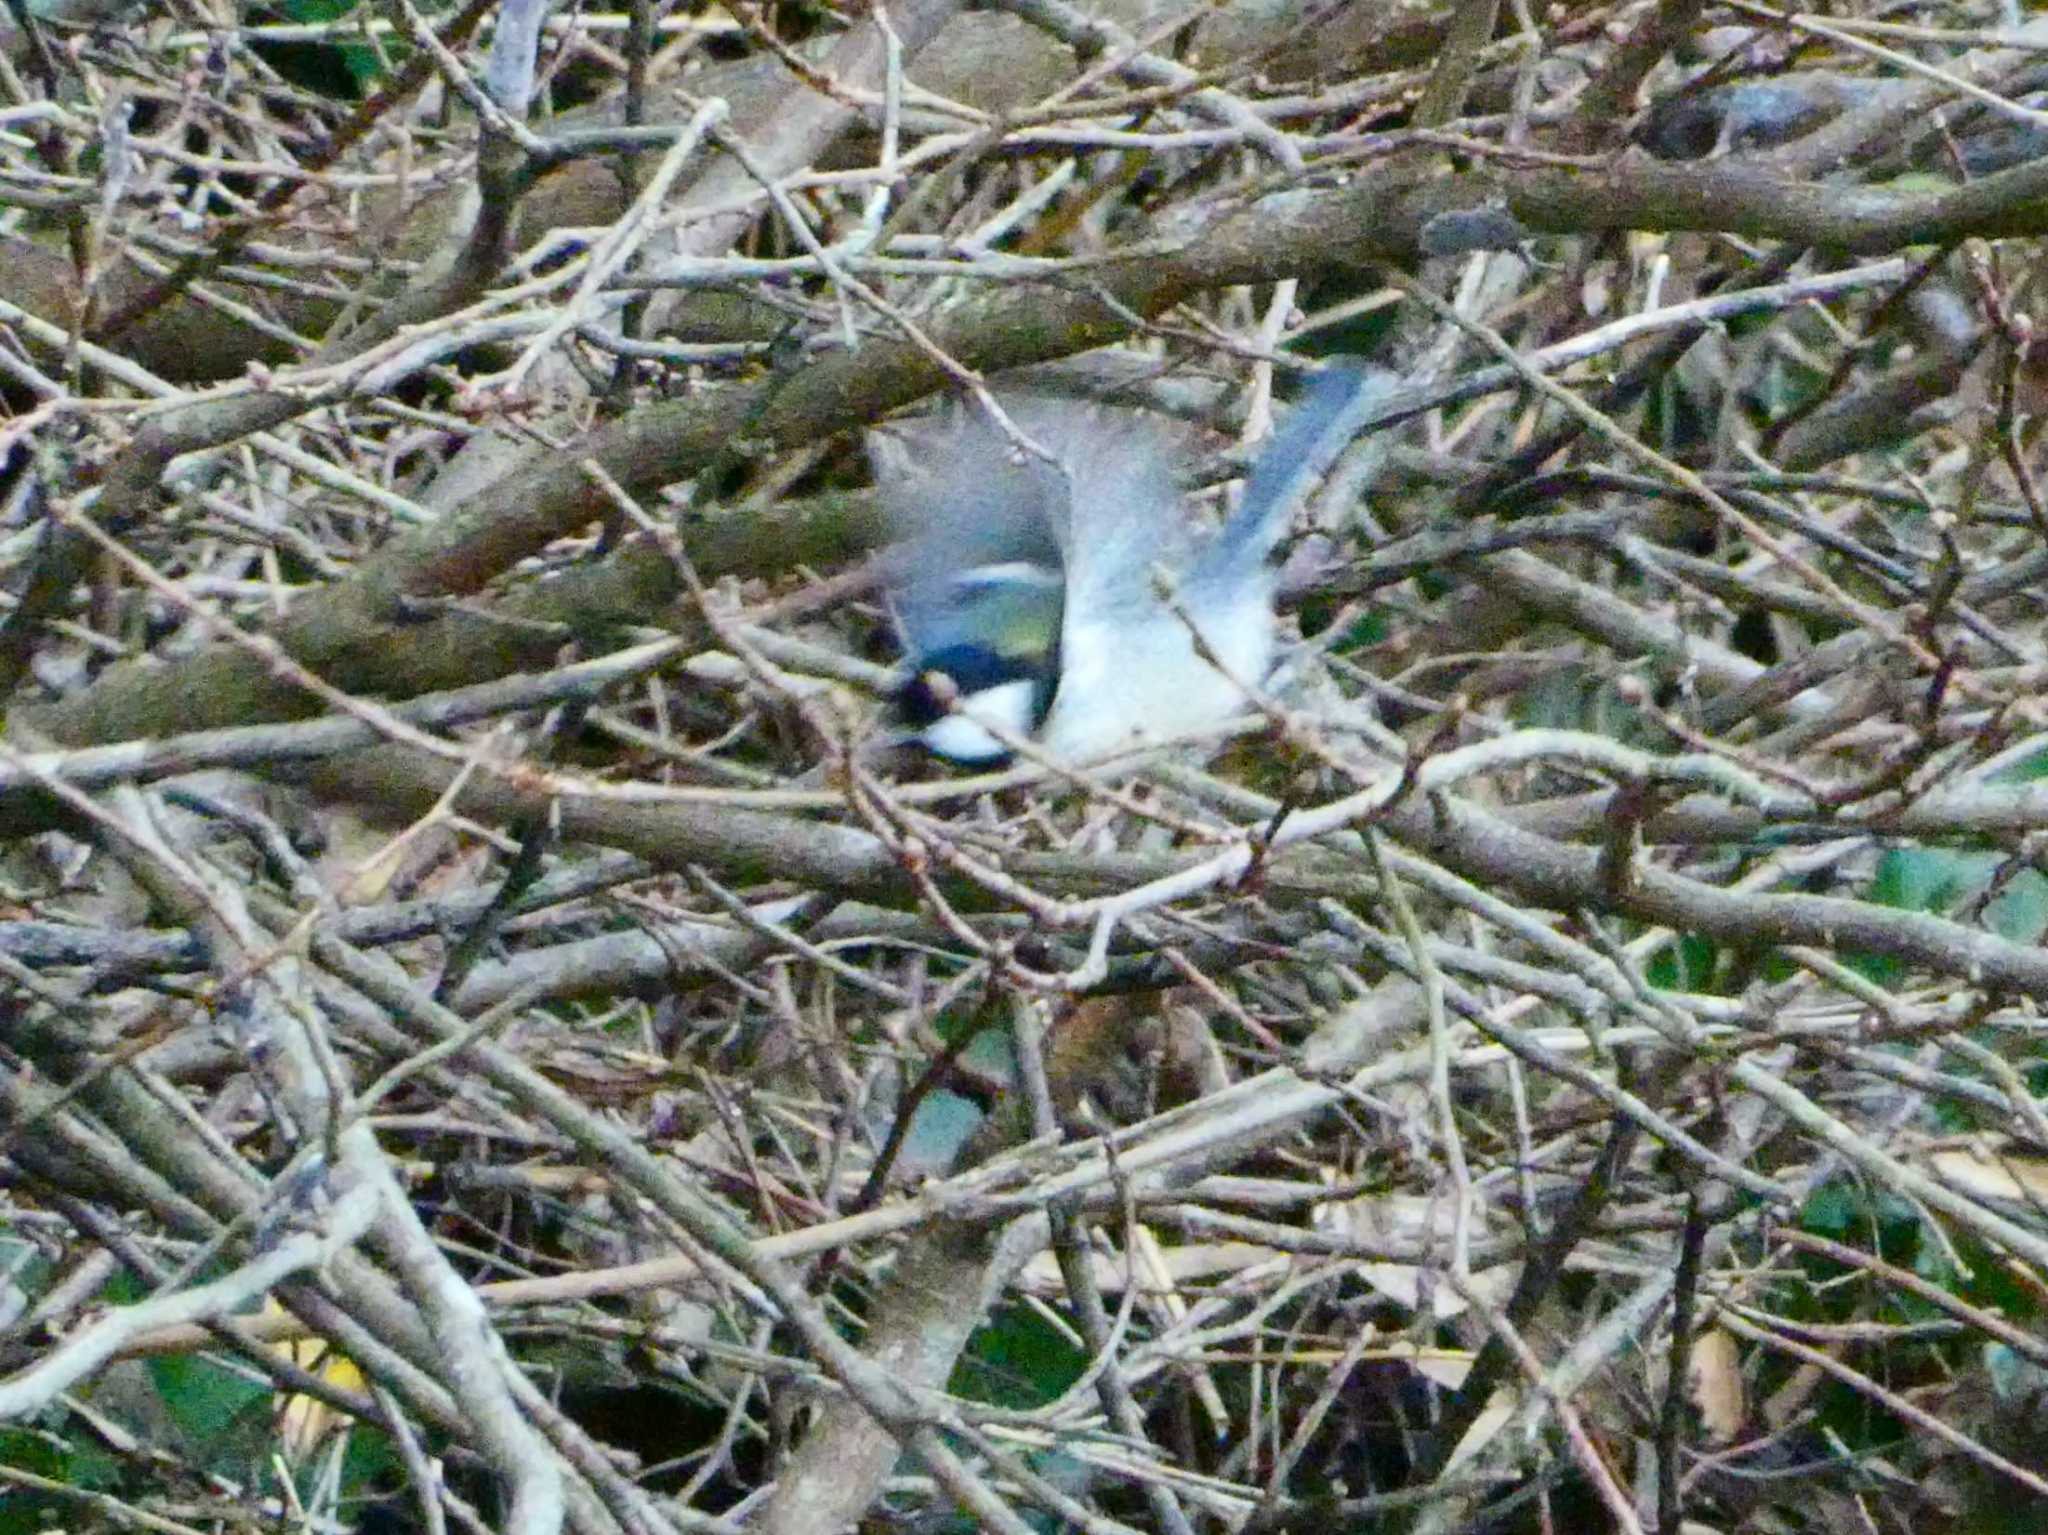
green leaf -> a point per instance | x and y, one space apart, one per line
362 64
1994 1286
27 1511
307 12
322 64
369 1461
1929 878
214 1408
2025 770
1832 1210
2020 911
1686 965
1367 628
1921 879
1019 1359
38 1454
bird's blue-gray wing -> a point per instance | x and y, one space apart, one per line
977 530
1124 516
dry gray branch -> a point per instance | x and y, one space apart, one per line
1568 1057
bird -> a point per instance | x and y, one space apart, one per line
1068 598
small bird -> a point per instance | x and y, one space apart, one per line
1061 598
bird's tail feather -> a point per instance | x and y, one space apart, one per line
1338 406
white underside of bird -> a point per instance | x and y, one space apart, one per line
1128 683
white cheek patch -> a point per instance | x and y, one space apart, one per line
959 738
1011 573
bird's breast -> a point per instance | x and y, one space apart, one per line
1124 684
